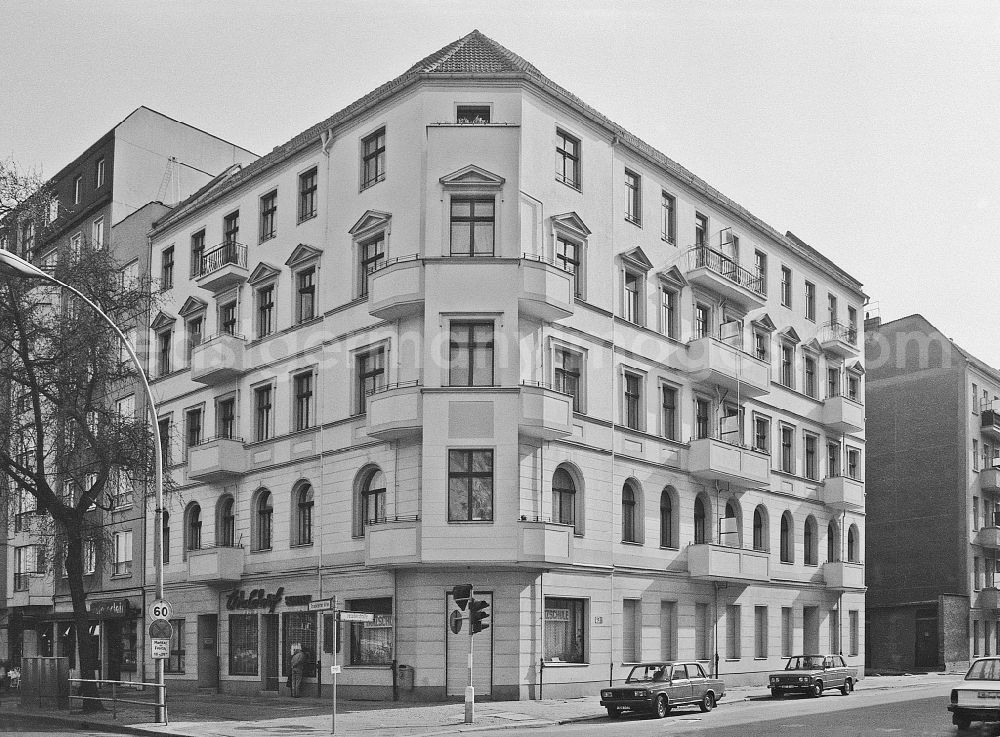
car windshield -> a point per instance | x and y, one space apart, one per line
804 662
984 670
647 674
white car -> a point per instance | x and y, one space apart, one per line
977 699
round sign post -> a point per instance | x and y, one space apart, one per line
160 609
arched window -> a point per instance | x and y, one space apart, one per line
832 541
699 521
165 525
786 553
852 544
760 528
373 499
563 497
304 515
668 538
193 527
628 514
809 542
264 520
226 535
730 531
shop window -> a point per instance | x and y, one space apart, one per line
127 639
299 628
175 663
244 651
371 642
564 631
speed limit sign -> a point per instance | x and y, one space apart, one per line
160 609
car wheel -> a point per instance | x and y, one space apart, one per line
662 707
847 687
613 712
707 702
817 690
776 693
962 722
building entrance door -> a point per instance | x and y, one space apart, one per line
269 650
208 651
458 654
926 633
810 629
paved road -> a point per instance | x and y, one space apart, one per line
9 726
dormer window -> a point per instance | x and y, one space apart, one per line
473 114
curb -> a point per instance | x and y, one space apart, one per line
83 723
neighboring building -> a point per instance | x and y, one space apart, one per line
400 355
96 202
933 480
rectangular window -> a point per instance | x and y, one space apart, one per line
668 630
760 269
700 229
668 312
733 631
90 557
702 632
195 327
761 343
244 648
831 306
123 553
833 460
472 231
167 268
472 114
373 158
975 399
470 354
975 454
565 630
977 573
786 286
569 257
193 427
669 404
702 321
470 485
371 256
809 364
265 310
668 207
854 388
305 295
165 440
854 644
854 463
198 253
302 387
810 301
833 382
299 628
631 611
786 631
175 663
77 190
225 418
702 410
28 237
787 375
262 397
76 245
370 376
99 174
787 449
98 233
760 631
228 318
231 228
632 403
567 159
268 212
631 302
568 370
371 642
812 462
762 434
307 195
633 197
852 325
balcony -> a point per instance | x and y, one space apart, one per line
545 413
711 361
217 459
393 542
716 460
988 537
989 479
843 414
395 411
841 340
223 267
843 492
30 589
396 288
545 290
219 566
720 274
844 576
218 359
990 421
712 562
541 543
988 598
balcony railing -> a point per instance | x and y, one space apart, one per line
703 257
222 255
841 332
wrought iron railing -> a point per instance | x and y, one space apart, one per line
839 331
704 257
386 263
225 254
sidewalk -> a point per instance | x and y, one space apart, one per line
220 715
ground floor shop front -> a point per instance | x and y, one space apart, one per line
551 634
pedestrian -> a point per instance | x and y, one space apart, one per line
298 664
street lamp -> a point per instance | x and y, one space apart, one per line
28 270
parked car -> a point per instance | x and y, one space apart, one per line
813 674
659 687
977 699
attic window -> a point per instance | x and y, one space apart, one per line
473 114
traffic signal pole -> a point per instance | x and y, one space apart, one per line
470 690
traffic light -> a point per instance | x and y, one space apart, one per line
478 615
462 594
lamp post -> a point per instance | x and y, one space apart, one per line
28 270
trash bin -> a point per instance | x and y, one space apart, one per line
405 676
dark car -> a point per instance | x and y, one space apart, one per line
813 674
659 687
977 698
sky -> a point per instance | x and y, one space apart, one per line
869 129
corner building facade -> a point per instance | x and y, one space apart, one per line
592 395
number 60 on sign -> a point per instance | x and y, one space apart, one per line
160 609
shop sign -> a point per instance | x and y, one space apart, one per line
300 600
110 608
257 599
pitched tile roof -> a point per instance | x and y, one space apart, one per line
477 55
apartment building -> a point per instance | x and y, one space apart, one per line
102 199
402 352
933 479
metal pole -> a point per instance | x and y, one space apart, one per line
470 690
333 671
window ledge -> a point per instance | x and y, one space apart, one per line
262 550
571 185
631 542
636 223
299 221
563 664
301 545
270 237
